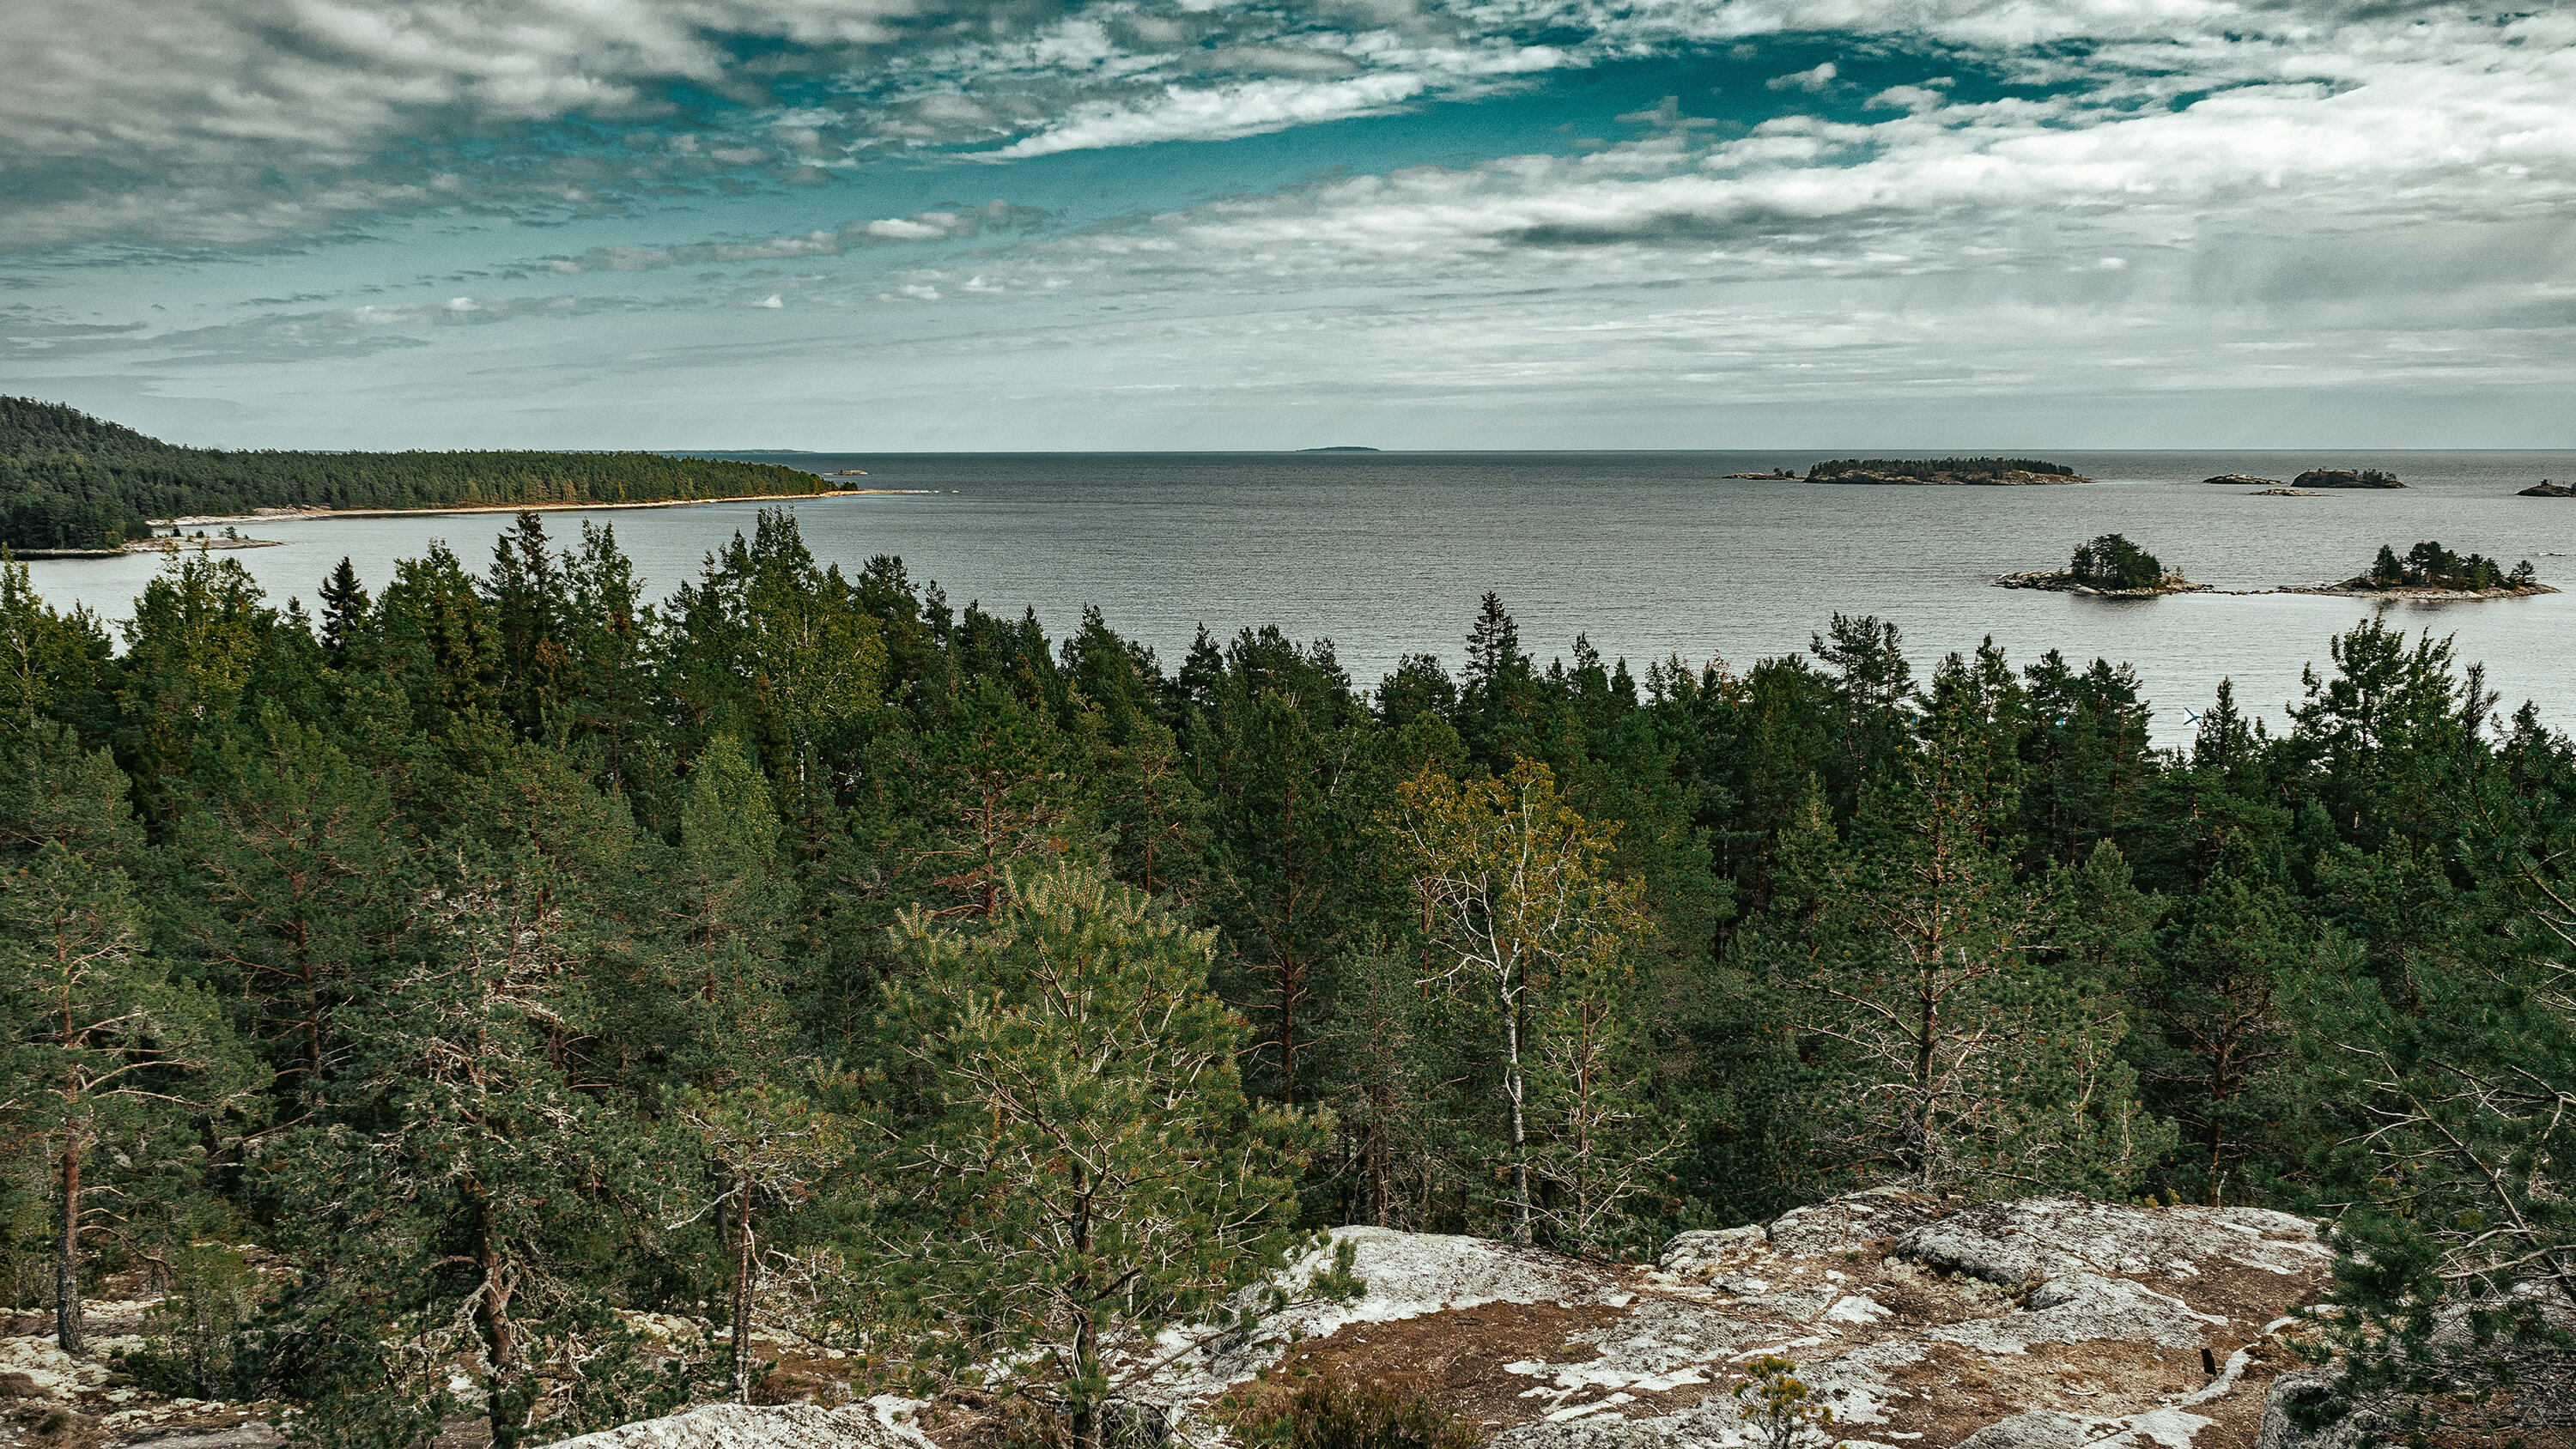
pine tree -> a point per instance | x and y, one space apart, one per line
1066 1163
455 1206
1965 1056
2216 1023
100 1042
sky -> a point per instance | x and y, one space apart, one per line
897 225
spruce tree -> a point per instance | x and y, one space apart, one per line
344 612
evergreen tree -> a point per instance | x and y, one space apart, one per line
99 1042
1965 1057
460 1206
1065 1161
344 612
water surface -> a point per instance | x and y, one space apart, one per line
1648 554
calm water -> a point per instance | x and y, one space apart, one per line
1650 554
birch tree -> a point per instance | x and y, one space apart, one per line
1516 894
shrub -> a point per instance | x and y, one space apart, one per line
1329 1413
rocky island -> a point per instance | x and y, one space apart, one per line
2345 478
1982 472
2110 566
2244 480
2431 572
2546 489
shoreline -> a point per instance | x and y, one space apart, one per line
298 515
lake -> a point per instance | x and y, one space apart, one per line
1649 554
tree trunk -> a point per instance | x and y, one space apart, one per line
1923 1045
1513 1089
507 1411
67 1301
742 1261
1084 1420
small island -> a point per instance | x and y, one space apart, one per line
2431 572
1774 476
2285 493
2111 567
1978 472
2243 480
2345 478
1341 448
2546 489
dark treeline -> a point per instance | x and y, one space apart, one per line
68 480
1937 467
508 956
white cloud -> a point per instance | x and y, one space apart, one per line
1811 80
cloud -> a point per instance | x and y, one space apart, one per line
249 123
1814 79
953 224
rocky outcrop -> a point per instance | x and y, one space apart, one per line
2546 489
2066 583
2344 478
1924 1322
2244 480
783 1426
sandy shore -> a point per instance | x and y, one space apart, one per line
291 515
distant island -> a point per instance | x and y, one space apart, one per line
2546 489
2345 478
1774 475
72 483
1343 448
2430 571
2243 480
1982 472
2110 566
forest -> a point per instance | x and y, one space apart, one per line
429 983
71 481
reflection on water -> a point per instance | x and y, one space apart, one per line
1649 554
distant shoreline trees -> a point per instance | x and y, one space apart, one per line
1937 467
72 481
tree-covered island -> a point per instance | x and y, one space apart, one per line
70 482
1986 472
2108 565
2345 478
2430 571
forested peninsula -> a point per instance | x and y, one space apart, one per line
72 481
482 1003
